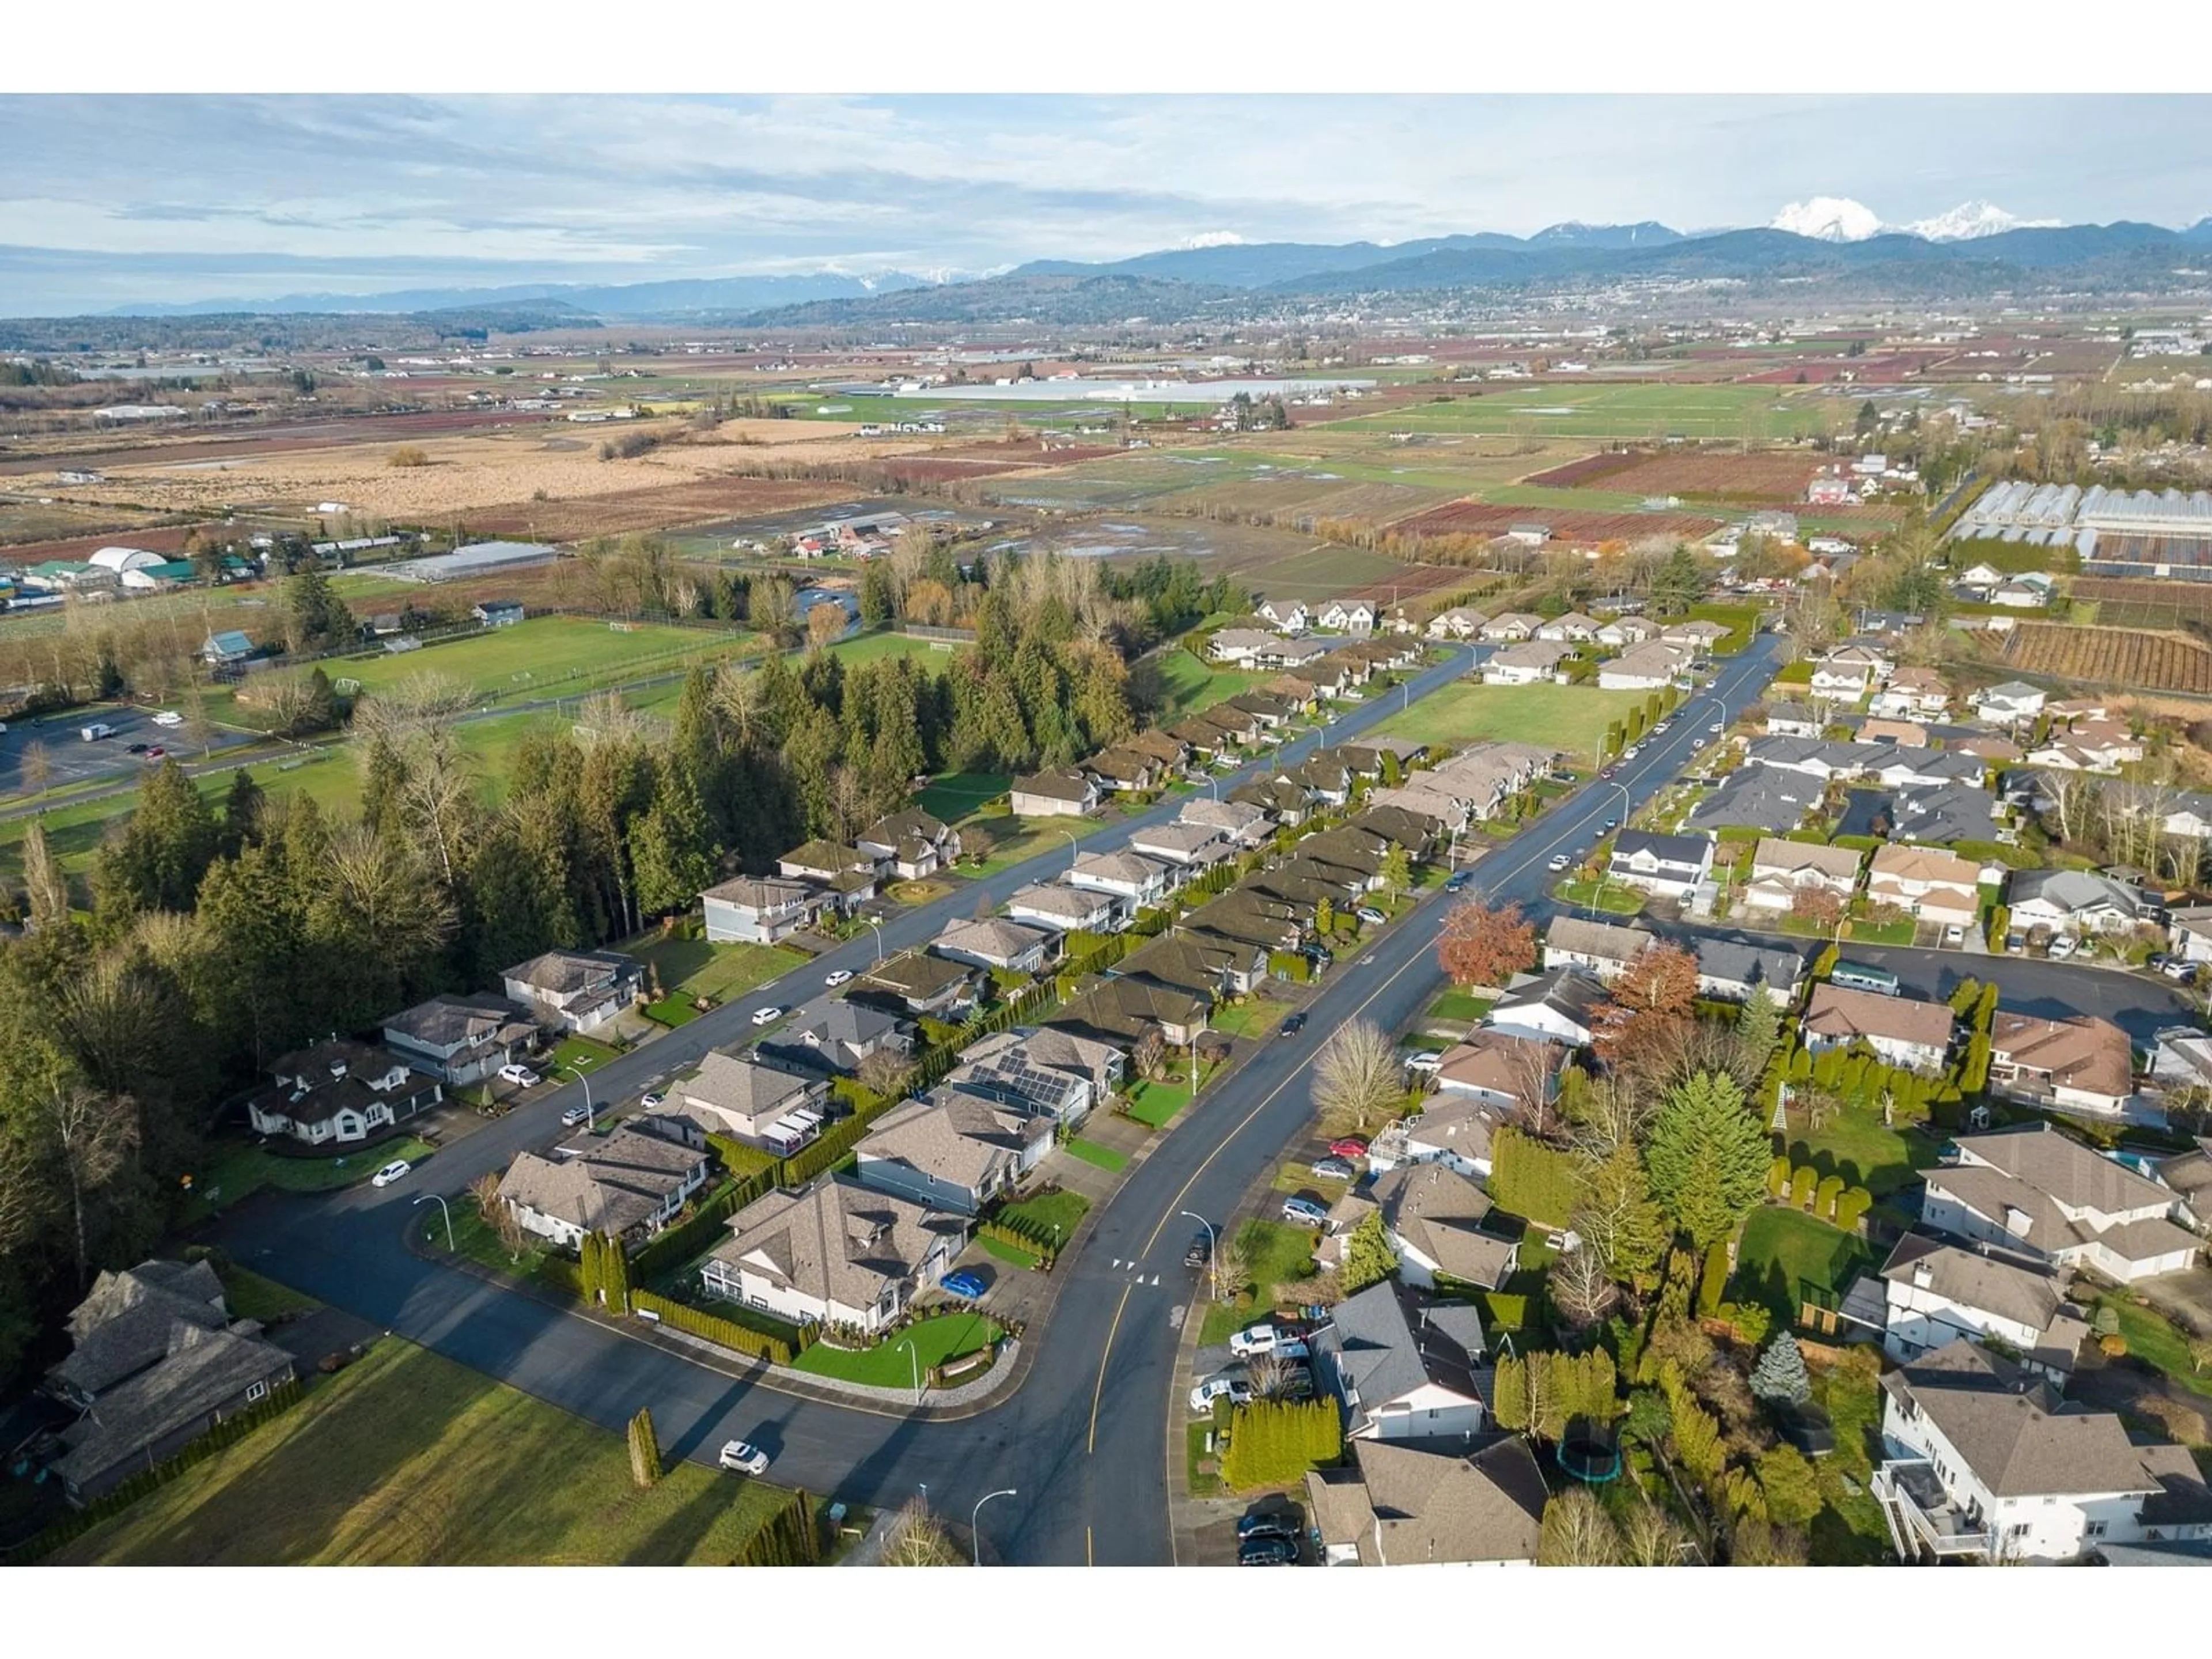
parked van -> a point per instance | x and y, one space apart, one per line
1858 976
95 732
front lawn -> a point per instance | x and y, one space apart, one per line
1103 1158
585 1053
1055 1214
407 1459
1457 1008
692 968
2158 1342
236 1170
249 1296
1902 931
1155 1104
1614 897
1202 1467
956 794
890 1364
1787 1256
1245 1018
1275 1254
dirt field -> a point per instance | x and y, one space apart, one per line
2110 656
1772 476
473 473
1478 518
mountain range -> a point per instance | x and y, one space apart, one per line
1974 250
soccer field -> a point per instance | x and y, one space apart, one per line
546 655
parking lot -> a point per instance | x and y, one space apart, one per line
69 759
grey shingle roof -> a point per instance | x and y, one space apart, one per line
2014 1445
1972 1279
123 1323
1377 1349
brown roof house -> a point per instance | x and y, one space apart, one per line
1934 1294
1403 1505
834 1253
2035 1191
1434 1216
1781 870
912 843
576 991
920 983
629 1186
156 1362
762 910
338 1093
777 1109
1056 793
1902 1030
1121 1011
2078 1065
954 1152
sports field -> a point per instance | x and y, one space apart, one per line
1569 718
406 1459
1644 411
545 656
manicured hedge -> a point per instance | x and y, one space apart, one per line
1530 1179
712 1328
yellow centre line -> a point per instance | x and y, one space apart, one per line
1099 1390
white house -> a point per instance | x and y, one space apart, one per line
1398 1382
1849 673
1049 904
1057 792
1289 615
1601 947
339 1093
760 910
1432 1216
2081 1064
1573 626
2009 704
1347 616
1671 866
1533 664
1781 870
1141 881
1926 883
1651 666
1459 623
2075 901
1984 1465
629 1186
578 990
834 1253
2034 1190
1903 1030
1935 1293
1561 1006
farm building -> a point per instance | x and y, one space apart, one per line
478 559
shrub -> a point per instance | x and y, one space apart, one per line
712 1328
1777 1178
1801 1187
1714 1279
1532 1180
408 455
1824 1199
2112 1347
1022 1234
1274 1442
1851 1208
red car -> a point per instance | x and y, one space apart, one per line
1350 1146
155 752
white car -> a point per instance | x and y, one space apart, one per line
767 1016
1660 730
742 1457
1699 743
2063 947
1559 861
1370 916
653 1099
1955 934
1717 727
1632 751
1237 1389
575 1117
168 717
390 1172
521 1076
1259 1339
837 977
1424 1059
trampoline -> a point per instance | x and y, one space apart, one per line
1590 1458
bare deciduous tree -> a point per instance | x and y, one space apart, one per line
885 1073
1580 1288
498 1214
1357 1079
38 766
94 1134
1651 1538
918 1539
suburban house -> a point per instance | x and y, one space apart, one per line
1907 734
952 1152
1794 720
1403 1366
1452 1129
823 861
1510 627
1139 881
757 910
2035 1190
1986 1465
155 1361
1700 634
834 1253
1040 1070
1433 1217
1731 971
499 613
1602 947
576 991
1561 1004
2188 932
836 1037
1122 1011
338 1092
1058 792
226 649
1459 623
2009 704
2082 1063
995 942
1049 904
461 1040
1626 631
629 1186
1935 1293
918 982
1288 615
1239 822
1403 1505
1923 882
1208 966
2076 901
1948 813
1671 866
1347 616
1651 666
1848 673
1781 870
1902 1030
764 1106
1534 663
1913 693
912 843
1508 1073
1573 626
1122 769
1758 798
1191 845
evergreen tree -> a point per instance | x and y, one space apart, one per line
614 1266
1758 1030
154 862
1779 1379
241 813
1368 1258
1510 1407
644 1449
1708 1157
315 617
1397 871
590 1274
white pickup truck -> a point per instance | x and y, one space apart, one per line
95 732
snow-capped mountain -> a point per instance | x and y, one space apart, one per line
1970 220
1213 239
1829 219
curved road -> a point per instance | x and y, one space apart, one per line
1086 1437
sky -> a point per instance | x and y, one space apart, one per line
112 200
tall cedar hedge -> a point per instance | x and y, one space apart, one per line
1530 1179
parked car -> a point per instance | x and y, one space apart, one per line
395 1170
2183 973
1955 934
742 1457
1607 772
653 1099
1424 1059
168 717
837 977
767 1016
1559 861
1717 727
1257 1340
1699 743
1304 1213
1333 1169
518 1074
1612 823
2157 960
1200 1253
964 1283
1266 1526
1292 1024
155 752
1370 916
1267 1552
1348 1146
575 1117
1660 730
1457 879
2063 947
138 748
1234 1389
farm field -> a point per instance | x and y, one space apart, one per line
406 1459
29 519
1569 718
2109 656
1481 519
1640 410
1768 476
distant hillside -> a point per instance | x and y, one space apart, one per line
257 331
635 301
1072 300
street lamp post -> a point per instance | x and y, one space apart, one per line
425 1198
577 1071
1212 1255
975 1515
877 923
1074 848
914 1358
1597 898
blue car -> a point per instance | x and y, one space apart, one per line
1457 879
964 1283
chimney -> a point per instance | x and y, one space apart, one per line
1922 1277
